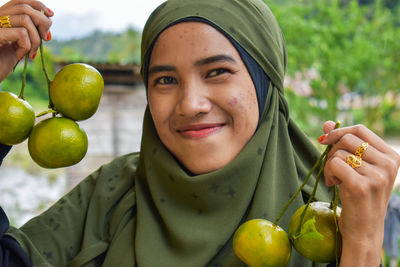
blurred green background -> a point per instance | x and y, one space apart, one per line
348 53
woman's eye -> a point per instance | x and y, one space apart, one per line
165 80
217 72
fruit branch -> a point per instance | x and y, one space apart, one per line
46 112
320 159
21 93
300 188
46 74
321 169
324 156
334 204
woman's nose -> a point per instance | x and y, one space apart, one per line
193 99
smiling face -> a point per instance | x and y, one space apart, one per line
201 96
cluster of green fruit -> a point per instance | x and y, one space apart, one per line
74 95
313 231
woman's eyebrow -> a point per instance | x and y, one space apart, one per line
201 62
213 59
161 68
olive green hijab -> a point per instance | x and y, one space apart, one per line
185 220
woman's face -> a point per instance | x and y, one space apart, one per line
201 96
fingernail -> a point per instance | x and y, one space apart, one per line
34 55
48 36
322 137
50 11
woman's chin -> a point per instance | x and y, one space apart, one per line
203 165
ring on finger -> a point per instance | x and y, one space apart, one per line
5 22
354 161
361 149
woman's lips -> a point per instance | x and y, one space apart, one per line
200 130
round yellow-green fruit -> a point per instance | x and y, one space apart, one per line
317 240
57 142
17 118
76 91
260 243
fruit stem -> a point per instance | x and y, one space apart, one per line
300 188
334 204
45 112
324 155
312 194
46 74
21 93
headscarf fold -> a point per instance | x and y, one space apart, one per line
186 220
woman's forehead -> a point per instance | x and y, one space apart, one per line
186 29
186 38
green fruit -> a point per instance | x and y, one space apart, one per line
17 118
57 142
76 91
260 243
317 240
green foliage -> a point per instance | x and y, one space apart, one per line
353 49
121 48
125 48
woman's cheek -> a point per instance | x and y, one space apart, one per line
233 102
238 111
246 111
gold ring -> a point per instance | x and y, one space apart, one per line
354 161
5 22
361 149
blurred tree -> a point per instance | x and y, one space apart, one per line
353 49
126 48
121 48
386 3
69 53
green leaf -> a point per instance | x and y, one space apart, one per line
309 230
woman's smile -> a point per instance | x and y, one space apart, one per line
198 131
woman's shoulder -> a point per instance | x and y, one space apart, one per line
117 175
124 165
131 159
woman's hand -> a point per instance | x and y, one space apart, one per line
364 191
28 26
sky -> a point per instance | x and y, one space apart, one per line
76 18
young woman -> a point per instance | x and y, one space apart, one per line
218 148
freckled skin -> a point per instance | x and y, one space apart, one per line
233 102
196 94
